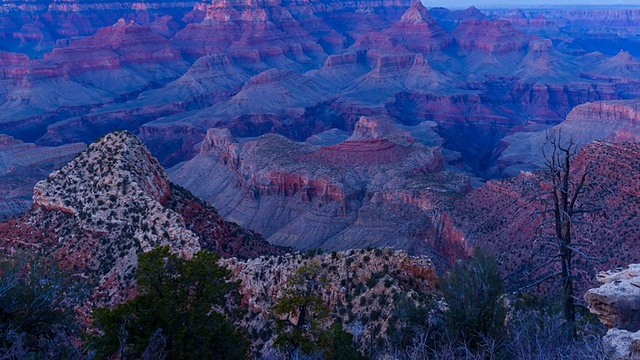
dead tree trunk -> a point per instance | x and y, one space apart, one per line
566 188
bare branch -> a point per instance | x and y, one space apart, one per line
546 263
540 281
582 253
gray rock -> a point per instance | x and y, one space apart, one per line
617 301
622 344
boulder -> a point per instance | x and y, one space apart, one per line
622 344
617 300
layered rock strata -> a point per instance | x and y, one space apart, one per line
503 215
613 121
378 188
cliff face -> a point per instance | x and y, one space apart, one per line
379 188
111 202
299 68
490 36
37 26
614 121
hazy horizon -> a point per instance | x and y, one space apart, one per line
525 3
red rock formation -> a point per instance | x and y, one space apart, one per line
35 27
490 36
298 68
111 48
353 194
258 31
615 121
416 31
501 215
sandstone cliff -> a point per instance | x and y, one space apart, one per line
615 121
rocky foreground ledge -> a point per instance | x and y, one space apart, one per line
617 304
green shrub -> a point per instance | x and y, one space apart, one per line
474 294
180 302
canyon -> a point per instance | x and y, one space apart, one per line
72 72
378 188
318 124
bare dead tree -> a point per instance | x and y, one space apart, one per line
564 208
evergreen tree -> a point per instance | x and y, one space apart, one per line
304 323
179 313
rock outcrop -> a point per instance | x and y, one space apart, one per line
22 165
617 301
112 202
365 289
622 344
617 304
378 188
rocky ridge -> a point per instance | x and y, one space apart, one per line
112 202
22 165
354 194
365 289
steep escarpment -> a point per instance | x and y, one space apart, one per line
36 27
501 215
416 31
112 202
490 36
115 64
378 188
